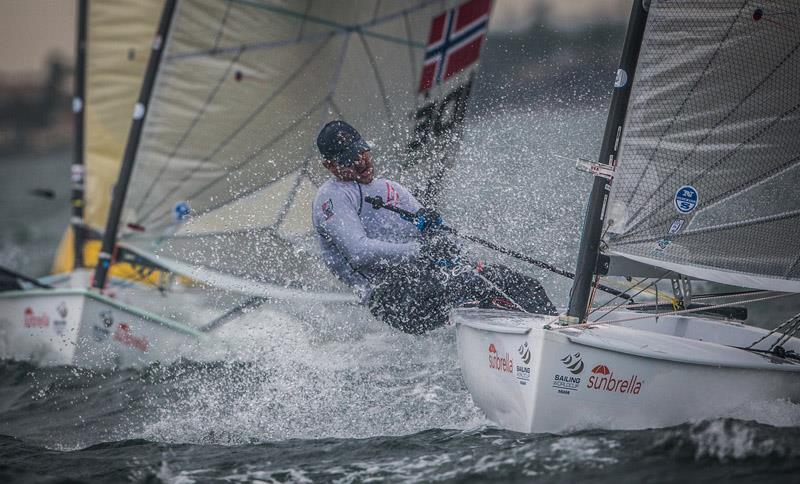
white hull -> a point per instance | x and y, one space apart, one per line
646 374
79 327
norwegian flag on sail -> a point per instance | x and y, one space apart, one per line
454 41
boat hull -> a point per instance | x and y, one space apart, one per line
79 327
529 378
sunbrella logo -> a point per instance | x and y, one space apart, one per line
33 320
500 363
574 363
603 379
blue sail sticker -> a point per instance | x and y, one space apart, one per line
686 199
181 211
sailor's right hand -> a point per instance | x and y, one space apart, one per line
440 249
427 220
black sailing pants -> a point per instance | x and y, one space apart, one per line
418 298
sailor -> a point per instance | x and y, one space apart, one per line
408 272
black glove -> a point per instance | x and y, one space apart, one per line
427 219
440 249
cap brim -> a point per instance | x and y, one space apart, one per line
348 156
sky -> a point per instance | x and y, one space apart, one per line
31 30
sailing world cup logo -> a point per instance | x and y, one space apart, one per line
523 370
566 384
573 363
525 353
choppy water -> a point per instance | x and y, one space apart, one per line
404 417
359 402
285 403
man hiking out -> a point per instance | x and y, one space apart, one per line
409 273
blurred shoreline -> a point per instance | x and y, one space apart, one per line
35 209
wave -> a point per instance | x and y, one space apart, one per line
707 450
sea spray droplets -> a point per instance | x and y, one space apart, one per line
295 387
508 186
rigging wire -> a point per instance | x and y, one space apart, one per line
793 323
597 276
694 310
623 302
726 295
626 288
787 334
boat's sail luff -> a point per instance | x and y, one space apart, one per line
120 36
132 145
595 211
710 157
117 44
243 90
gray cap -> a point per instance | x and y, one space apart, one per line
340 143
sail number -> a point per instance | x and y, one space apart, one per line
441 117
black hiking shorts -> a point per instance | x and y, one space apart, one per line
418 298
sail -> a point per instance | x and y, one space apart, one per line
119 36
709 164
227 166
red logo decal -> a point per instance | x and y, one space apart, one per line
500 363
603 380
123 335
35 321
392 196
327 209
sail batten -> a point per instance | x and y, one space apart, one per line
709 161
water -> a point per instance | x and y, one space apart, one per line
289 402
32 225
405 417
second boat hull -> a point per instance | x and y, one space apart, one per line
529 378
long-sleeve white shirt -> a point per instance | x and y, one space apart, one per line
359 242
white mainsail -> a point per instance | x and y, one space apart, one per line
227 166
709 162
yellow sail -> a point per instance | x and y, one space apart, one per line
119 38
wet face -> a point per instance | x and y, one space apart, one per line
362 171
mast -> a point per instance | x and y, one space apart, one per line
139 115
78 101
595 212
